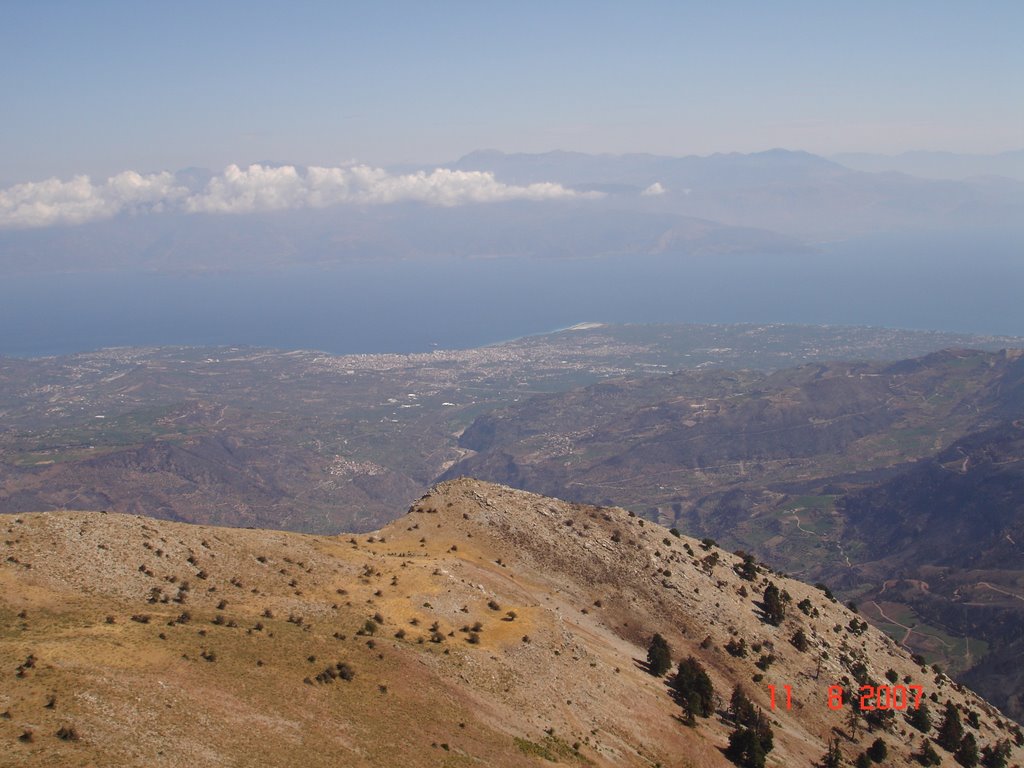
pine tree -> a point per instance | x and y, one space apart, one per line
884 719
921 718
745 749
927 755
853 722
693 686
997 756
747 570
833 758
752 738
800 641
967 753
764 732
774 608
951 732
742 709
659 656
878 750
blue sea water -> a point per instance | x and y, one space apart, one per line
965 284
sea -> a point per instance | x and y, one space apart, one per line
950 283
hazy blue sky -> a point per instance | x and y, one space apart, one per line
98 87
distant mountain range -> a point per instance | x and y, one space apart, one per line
794 193
938 165
626 205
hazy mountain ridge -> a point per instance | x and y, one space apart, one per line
720 204
641 170
790 192
939 165
222 638
342 234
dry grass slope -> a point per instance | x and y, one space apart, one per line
488 626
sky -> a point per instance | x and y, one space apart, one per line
103 87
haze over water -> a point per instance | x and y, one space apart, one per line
967 284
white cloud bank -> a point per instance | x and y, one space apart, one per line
254 189
43 203
654 190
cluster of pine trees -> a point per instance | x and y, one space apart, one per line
693 690
752 738
690 684
953 738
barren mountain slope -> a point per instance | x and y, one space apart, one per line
862 475
152 643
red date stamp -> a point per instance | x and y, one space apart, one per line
789 695
879 697
872 697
